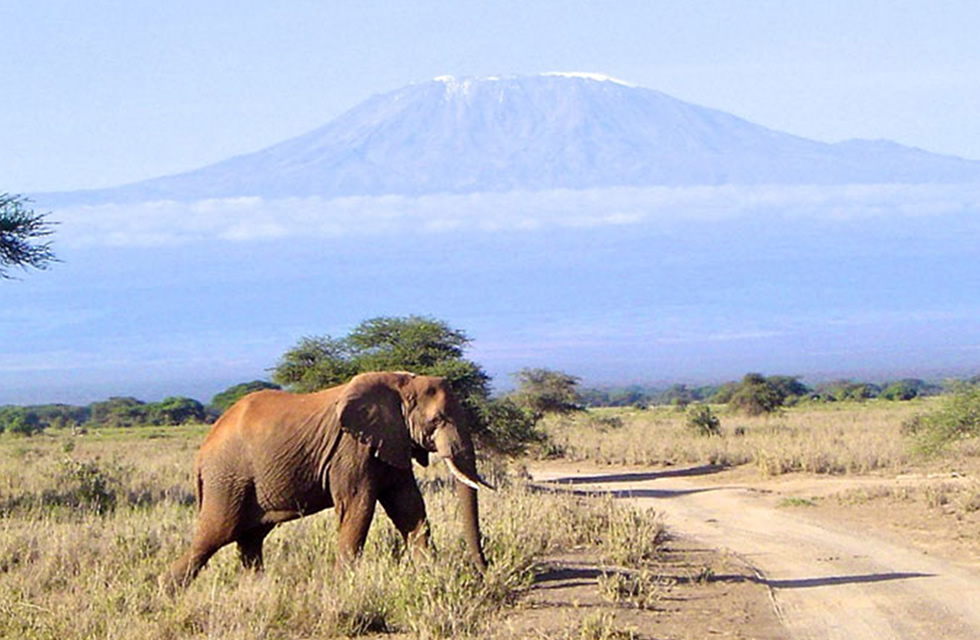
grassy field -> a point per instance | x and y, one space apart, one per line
88 522
838 438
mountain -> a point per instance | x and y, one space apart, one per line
553 131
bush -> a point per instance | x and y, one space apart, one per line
957 418
20 421
908 389
848 390
175 411
756 396
119 412
86 485
703 421
544 391
510 428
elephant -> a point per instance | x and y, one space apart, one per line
276 456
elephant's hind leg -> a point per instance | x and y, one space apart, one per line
216 526
250 546
204 545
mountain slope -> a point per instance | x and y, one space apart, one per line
571 131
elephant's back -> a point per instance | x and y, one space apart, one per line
271 434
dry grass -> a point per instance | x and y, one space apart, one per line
87 524
825 439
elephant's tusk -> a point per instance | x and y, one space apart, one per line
464 478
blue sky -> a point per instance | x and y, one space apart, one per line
692 284
105 92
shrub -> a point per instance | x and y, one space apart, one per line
547 391
756 396
20 421
510 428
844 390
174 411
703 421
86 484
957 418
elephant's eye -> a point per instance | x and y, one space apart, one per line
440 419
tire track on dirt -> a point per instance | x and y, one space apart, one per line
826 581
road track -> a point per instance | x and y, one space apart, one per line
826 581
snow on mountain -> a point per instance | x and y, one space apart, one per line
557 130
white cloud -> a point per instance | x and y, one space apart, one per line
254 219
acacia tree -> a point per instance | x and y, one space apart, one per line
21 236
547 391
756 395
415 343
418 344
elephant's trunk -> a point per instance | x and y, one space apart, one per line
457 450
470 511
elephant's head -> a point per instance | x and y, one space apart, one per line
405 416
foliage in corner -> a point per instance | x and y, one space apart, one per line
21 236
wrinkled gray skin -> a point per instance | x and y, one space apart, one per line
276 456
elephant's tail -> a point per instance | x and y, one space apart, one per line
199 490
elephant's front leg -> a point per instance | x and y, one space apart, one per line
404 505
354 515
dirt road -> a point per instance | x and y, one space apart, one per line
825 580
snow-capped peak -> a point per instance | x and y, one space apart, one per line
598 77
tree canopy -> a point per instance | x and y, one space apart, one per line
757 395
22 233
418 344
547 391
415 343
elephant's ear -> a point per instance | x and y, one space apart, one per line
370 409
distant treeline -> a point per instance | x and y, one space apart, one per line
755 393
790 388
122 412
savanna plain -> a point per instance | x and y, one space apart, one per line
88 521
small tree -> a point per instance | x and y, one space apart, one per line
907 389
315 363
756 396
702 420
417 344
789 387
20 421
175 411
547 391
119 412
511 427
848 390
21 235
956 418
